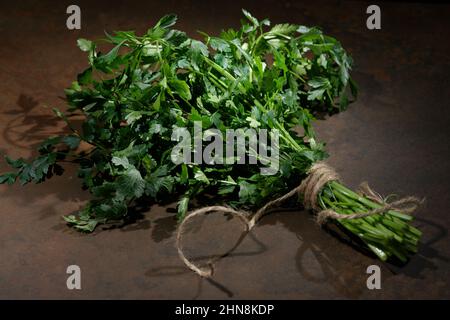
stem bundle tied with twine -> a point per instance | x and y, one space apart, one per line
320 176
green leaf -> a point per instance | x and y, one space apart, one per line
121 161
316 94
251 18
200 47
72 141
85 77
38 169
253 122
84 45
132 151
9 178
319 82
228 186
49 144
17 164
130 183
219 45
167 21
182 206
158 180
199 175
133 116
105 60
322 60
283 29
181 88
247 192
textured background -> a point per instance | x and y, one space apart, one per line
395 136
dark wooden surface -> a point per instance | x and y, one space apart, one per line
396 136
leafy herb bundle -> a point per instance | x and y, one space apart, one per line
260 76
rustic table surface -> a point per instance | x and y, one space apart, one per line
396 136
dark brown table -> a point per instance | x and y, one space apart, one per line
396 136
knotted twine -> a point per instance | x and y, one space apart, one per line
318 176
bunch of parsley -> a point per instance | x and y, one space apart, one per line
260 76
